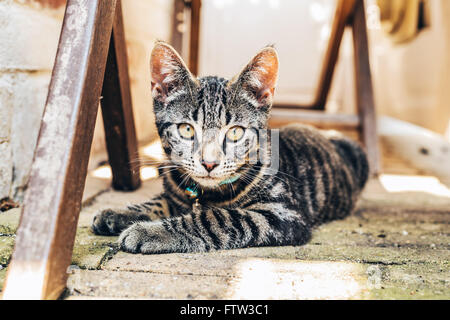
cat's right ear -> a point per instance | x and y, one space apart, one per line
168 71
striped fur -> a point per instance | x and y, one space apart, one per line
319 177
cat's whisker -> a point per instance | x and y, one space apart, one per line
165 167
168 171
274 173
187 176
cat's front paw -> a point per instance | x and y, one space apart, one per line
146 237
104 223
111 222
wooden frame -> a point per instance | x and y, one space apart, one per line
194 41
91 65
92 41
176 37
348 13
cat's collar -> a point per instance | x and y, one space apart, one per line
194 192
230 180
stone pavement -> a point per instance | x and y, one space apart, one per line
394 246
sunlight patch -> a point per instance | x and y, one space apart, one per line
427 184
282 279
154 150
148 173
104 172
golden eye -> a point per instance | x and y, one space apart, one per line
235 134
186 131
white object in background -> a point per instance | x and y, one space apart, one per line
232 31
423 148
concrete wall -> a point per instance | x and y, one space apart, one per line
29 36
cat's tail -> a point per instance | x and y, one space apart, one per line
355 157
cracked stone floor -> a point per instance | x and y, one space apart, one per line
394 246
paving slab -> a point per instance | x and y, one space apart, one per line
220 262
373 255
261 278
405 293
250 279
144 285
91 250
200 264
388 229
420 276
395 245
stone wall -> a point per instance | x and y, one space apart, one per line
29 38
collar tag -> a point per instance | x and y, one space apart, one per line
191 192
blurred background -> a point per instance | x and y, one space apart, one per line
409 47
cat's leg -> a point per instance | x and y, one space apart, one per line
114 221
215 228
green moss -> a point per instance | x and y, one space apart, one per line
2 278
9 221
373 255
6 249
408 281
90 250
409 293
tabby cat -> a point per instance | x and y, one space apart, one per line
216 194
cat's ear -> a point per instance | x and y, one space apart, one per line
168 71
259 77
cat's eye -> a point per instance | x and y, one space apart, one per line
235 134
186 131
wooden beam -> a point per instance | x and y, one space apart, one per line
176 36
52 203
364 90
343 12
294 106
280 117
344 9
194 43
117 112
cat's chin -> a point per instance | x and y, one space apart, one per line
207 182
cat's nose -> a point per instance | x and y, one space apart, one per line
210 165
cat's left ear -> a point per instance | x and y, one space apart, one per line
259 77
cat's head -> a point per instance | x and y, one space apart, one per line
209 126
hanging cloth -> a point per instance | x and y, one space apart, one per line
402 20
